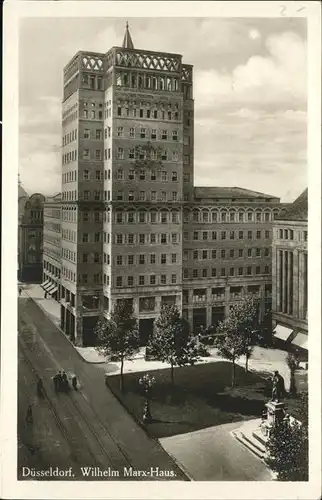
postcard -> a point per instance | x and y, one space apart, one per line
161 293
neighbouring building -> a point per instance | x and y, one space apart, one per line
30 235
290 276
133 226
52 246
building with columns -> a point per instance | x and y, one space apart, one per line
133 225
290 275
30 235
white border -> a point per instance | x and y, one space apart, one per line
9 486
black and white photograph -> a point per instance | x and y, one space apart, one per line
164 313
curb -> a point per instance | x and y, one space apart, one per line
61 331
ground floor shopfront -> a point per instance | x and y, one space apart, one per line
291 334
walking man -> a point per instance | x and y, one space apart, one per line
29 416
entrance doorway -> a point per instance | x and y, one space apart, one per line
89 335
145 330
199 319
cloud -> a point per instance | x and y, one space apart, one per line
249 90
261 81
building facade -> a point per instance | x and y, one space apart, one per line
290 275
133 226
52 246
30 236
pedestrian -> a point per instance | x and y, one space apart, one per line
40 387
64 380
45 295
29 416
74 382
56 382
20 290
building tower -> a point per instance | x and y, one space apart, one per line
127 168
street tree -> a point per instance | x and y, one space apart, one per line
229 342
287 447
170 341
118 336
244 314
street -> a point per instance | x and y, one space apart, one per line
87 427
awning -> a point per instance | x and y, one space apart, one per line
301 340
282 332
45 283
49 288
53 290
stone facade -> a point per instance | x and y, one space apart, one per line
30 236
129 210
52 245
290 267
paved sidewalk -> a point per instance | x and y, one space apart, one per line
263 359
216 455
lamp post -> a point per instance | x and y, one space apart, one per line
147 382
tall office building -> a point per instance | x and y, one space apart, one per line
128 197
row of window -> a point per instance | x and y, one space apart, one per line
288 234
70 137
70 176
224 215
226 253
69 157
225 235
153 217
93 114
146 81
68 274
131 132
223 272
143 280
141 175
133 154
68 254
94 82
48 266
69 235
142 239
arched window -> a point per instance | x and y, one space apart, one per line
232 216
249 216
267 215
175 216
205 216
240 216
214 216
258 215
224 216
131 217
164 216
153 216
195 215
142 216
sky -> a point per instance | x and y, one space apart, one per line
249 90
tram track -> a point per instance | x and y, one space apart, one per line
121 441
117 462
